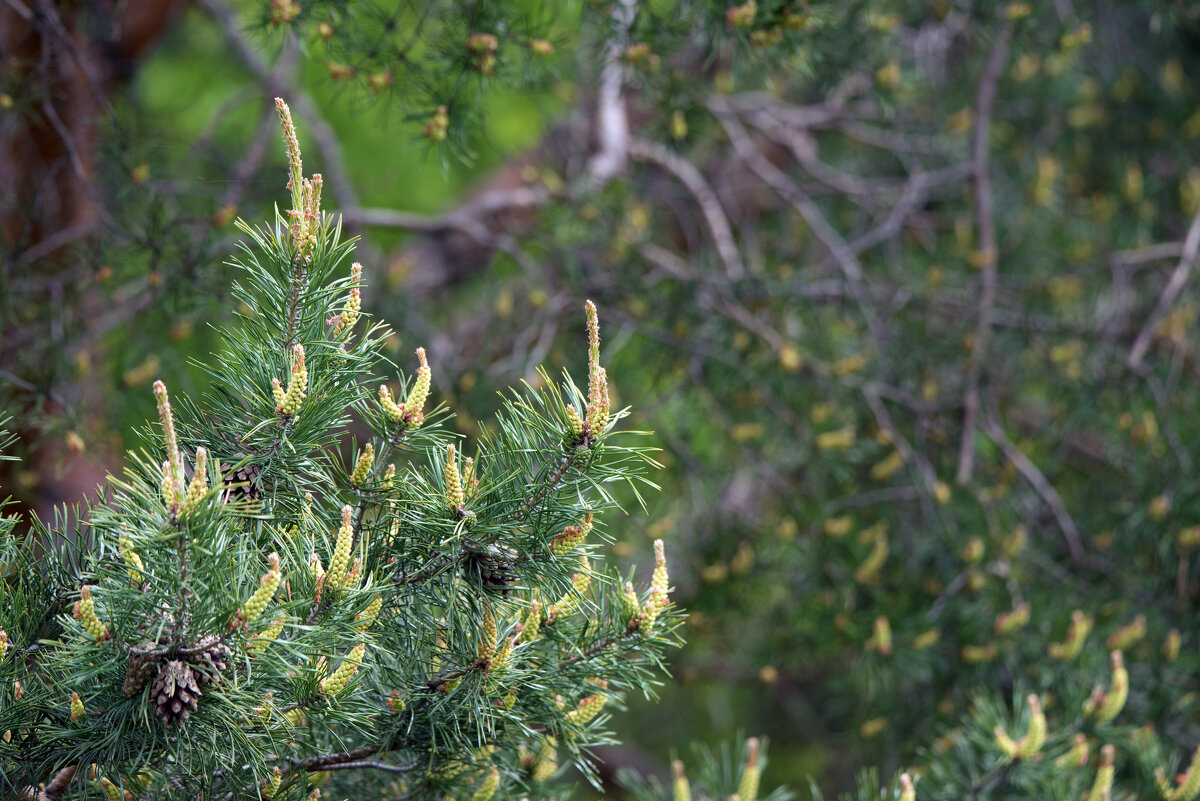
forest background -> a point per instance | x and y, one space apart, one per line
904 289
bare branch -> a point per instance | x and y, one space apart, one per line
1040 483
48 14
77 162
374 765
329 761
780 127
23 11
273 85
1134 256
787 189
56 240
252 159
984 97
1187 259
336 173
883 419
706 198
470 218
916 190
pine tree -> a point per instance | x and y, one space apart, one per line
264 606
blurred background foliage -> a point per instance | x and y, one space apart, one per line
903 287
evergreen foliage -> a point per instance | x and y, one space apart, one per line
372 620
912 287
435 62
928 397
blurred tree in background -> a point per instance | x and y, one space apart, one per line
905 289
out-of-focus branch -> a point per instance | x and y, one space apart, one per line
612 123
787 189
890 140
1187 259
1040 483
985 95
223 16
468 217
1134 256
796 117
274 84
252 159
916 191
473 218
54 790
77 166
786 125
56 240
23 11
255 154
335 171
48 14
883 419
710 206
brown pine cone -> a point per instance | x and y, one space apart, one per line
242 483
209 657
494 571
175 693
140 670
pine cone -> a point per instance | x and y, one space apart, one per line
494 571
141 668
174 694
144 660
209 656
242 484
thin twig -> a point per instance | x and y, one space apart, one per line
252 159
56 240
1142 255
77 162
331 761
602 643
363 763
884 420
273 85
544 490
1038 480
984 98
1191 246
23 11
427 572
787 189
223 15
916 191
336 173
469 218
706 198
48 13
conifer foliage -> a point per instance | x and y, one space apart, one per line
265 607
